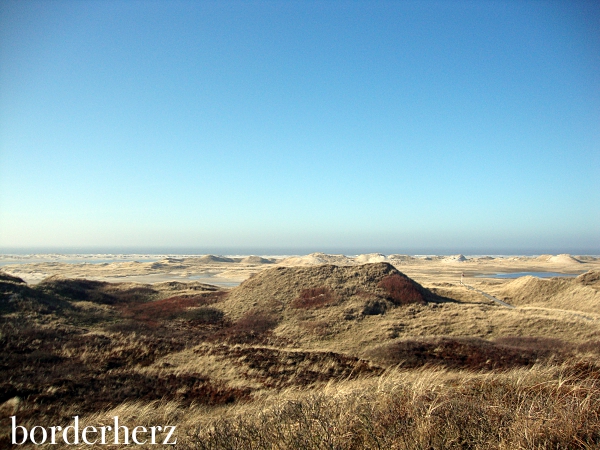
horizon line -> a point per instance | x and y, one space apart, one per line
289 251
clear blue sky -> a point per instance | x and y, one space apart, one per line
383 126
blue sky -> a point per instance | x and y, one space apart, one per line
377 126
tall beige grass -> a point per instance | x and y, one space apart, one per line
542 407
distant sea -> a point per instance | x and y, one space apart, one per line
283 251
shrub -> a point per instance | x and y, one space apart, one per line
134 295
318 327
592 346
10 278
78 290
458 353
375 307
204 315
129 326
540 345
255 322
401 290
168 308
252 327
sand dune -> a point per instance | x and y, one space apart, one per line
316 259
454 259
567 294
563 259
424 269
213 259
558 259
370 258
276 289
590 278
586 258
400 258
256 260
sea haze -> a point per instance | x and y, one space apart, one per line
151 253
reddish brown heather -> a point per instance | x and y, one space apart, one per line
167 308
314 298
254 322
402 290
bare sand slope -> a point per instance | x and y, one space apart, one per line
316 259
563 259
370 258
185 268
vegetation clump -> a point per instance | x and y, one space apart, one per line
318 297
401 290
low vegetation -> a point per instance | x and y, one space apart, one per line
537 408
401 290
314 298
315 358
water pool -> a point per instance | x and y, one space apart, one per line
524 274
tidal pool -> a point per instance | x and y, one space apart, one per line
524 274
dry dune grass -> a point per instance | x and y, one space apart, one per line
590 278
346 328
558 293
542 407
